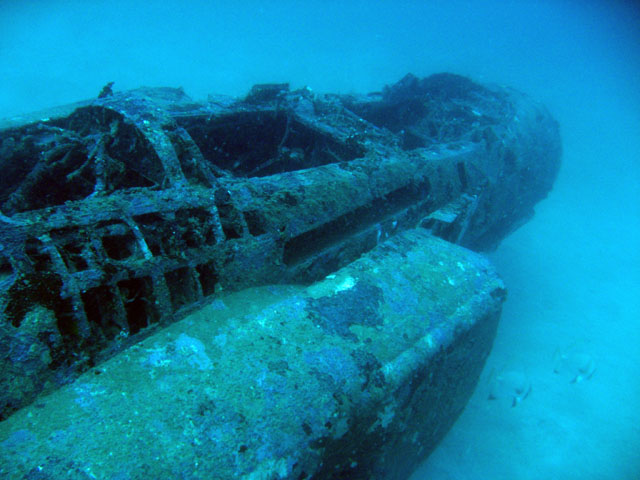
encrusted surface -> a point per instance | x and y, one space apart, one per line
356 376
122 214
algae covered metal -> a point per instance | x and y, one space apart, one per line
146 240
356 376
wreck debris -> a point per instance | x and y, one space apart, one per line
107 90
137 206
357 376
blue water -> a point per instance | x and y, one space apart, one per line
573 272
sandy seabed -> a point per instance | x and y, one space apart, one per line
558 396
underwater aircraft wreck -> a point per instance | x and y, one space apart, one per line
285 285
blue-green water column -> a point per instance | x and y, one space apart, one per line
357 376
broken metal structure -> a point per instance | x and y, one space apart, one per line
356 376
126 211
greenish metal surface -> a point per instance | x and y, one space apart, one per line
356 376
121 214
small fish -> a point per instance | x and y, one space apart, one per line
574 366
510 387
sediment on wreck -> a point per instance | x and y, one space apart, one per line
279 286
355 376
